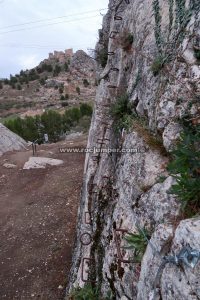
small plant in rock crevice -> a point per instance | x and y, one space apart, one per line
137 243
197 53
102 56
157 65
185 168
78 90
124 40
88 292
122 113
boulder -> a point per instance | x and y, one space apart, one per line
9 141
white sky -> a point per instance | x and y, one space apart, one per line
25 46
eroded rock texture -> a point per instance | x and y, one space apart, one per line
160 71
9 141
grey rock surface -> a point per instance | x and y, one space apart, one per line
9 141
122 189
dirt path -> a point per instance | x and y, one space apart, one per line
37 224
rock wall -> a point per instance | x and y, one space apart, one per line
160 72
9 141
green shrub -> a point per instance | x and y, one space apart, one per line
66 67
62 97
6 81
78 90
57 70
197 53
85 293
86 109
130 38
86 83
46 67
122 113
125 40
50 122
13 80
66 96
61 89
185 168
138 243
42 81
83 124
19 86
39 70
102 57
157 65
64 104
1 85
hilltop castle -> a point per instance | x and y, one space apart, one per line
61 55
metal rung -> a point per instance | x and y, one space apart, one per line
117 18
114 69
111 53
112 86
101 143
93 184
86 260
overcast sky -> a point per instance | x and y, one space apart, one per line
23 47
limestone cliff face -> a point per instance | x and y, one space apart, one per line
161 74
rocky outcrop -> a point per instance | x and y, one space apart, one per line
9 141
41 163
150 46
82 62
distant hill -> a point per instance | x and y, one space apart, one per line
63 79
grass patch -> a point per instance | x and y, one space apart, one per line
154 142
88 292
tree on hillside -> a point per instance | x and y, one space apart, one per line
86 110
56 70
66 67
71 117
52 124
15 125
86 82
78 90
30 129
